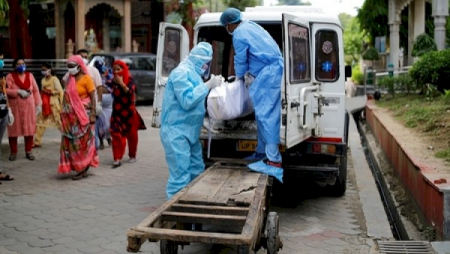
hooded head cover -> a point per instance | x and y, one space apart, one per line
76 59
230 16
200 55
125 73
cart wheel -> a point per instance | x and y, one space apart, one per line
273 240
243 249
168 247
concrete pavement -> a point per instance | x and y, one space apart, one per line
42 212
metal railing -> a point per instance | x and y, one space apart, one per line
34 66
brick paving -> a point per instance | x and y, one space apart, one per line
42 212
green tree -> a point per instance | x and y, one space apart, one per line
354 37
373 18
241 4
293 2
422 45
4 7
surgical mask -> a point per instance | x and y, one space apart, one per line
85 61
21 68
45 73
2 63
73 71
230 33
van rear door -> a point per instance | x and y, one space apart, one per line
173 47
297 91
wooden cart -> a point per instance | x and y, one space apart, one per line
227 204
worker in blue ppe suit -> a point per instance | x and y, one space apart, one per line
258 61
183 111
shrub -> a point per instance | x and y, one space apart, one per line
371 54
388 83
433 68
357 75
422 45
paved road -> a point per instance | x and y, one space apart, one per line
42 212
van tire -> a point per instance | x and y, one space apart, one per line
339 188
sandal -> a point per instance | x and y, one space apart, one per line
116 164
36 146
12 157
5 177
30 156
81 175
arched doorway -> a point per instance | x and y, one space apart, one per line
103 29
69 22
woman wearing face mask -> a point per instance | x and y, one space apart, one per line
26 104
78 151
125 120
51 95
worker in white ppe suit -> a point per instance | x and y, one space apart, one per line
258 61
183 111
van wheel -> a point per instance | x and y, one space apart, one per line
339 188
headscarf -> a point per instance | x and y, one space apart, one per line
72 92
125 73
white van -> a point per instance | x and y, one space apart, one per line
314 124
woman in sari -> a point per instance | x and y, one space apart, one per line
78 151
51 95
125 120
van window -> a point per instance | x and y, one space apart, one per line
299 55
171 56
327 67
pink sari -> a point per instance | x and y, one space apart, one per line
78 135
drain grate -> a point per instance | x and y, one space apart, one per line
411 247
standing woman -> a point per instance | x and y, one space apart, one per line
6 116
51 95
78 151
25 102
125 120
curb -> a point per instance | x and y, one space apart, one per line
423 184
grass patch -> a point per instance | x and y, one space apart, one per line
428 117
444 154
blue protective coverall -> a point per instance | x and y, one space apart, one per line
183 111
257 53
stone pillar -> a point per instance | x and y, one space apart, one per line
410 59
419 17
440 13
80 24
394 37
439 31
126 26
394 42
58 33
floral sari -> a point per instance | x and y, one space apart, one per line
78 135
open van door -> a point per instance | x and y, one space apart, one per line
298 90
173 47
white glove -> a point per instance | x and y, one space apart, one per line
38 109
248 79
98 108
23 93
213 81
11 117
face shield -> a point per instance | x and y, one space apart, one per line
206 70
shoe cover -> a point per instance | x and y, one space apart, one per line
255 157
262 167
